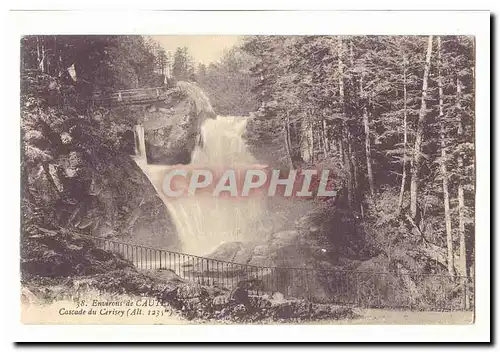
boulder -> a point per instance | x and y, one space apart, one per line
226 251
261 261
172 127
261 250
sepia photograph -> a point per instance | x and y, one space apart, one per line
257 179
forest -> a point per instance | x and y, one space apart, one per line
76 171
392 115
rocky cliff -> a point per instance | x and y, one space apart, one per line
77 172
172 127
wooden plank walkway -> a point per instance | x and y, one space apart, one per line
137 96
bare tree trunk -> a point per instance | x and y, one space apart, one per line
288 146
462 261
40 54
472 272
354 164
367 140
307 141
341 150
352 152
318 132
347 166
324 134
405 137
444 171
461 200
46 56
419 135
55 63
345 135
311 141
340 67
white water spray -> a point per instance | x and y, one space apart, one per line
204 222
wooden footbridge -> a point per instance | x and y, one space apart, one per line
139 96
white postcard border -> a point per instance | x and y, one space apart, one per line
240 23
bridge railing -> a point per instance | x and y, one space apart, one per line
356 288
129 95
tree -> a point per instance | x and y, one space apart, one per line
345 131
405 130
417 149
64 143
443 161
383 114
228 83
183 65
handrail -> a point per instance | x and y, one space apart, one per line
365 288
270 267
130 96
133 90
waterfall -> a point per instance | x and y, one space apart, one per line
140 142
204 222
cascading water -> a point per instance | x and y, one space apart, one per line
205 222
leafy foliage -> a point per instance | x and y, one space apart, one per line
350 102
76 170
228 83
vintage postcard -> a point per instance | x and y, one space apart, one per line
248 179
